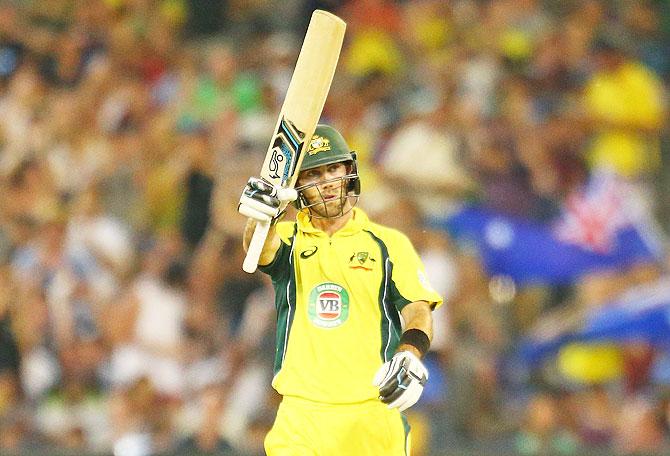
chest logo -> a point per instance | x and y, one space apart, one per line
328 305
362 260
308 252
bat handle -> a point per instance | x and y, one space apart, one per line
256 246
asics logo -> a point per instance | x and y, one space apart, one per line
309 252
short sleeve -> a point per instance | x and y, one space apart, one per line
280 264
408 274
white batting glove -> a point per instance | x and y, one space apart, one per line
401 380
263 201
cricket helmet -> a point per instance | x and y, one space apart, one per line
327 146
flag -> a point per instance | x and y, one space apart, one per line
594 214
642 313
603 226
639 314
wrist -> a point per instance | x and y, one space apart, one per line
415 341
409 349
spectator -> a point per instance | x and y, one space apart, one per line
624 110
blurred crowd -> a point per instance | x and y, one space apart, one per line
129 127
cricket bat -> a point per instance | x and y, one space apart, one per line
299 113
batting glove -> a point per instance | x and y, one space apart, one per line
263 201
401 380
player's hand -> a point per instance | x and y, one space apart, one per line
401 380
262 201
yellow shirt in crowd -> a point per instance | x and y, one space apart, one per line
627 99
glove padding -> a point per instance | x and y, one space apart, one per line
401 380
263 201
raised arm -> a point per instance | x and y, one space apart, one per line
272 242
262 202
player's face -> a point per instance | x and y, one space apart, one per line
328 189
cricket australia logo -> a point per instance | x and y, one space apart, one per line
318 144
285 149
362 260
328 305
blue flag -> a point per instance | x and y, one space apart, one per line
640 314
601 227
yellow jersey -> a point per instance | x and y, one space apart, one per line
338 301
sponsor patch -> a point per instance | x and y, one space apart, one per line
328 305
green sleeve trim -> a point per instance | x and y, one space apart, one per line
390 327
283 281
396 298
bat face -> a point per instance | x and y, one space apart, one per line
304 99
285 153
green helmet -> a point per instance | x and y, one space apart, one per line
326 146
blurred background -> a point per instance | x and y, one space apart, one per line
521 144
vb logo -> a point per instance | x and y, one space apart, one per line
328 305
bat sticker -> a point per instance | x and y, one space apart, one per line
287 145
